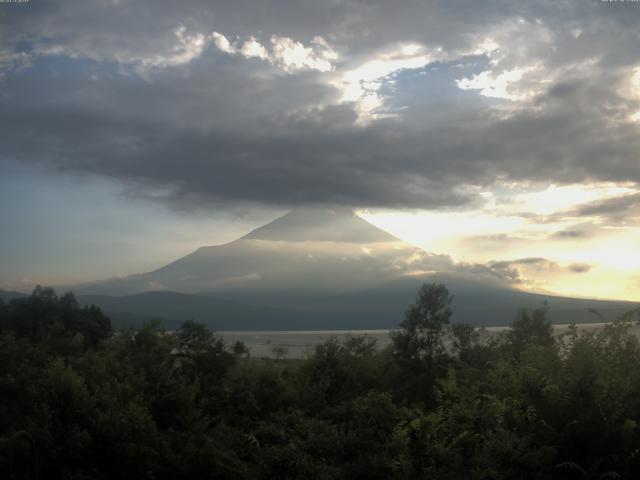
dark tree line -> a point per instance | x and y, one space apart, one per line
79 401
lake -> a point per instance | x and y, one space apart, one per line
297 344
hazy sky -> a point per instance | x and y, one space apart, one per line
132 132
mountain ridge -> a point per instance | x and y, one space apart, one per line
320 268
305 249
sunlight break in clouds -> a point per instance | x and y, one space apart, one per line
595 256
189 47
286 53
515 70
635 92
497 86
362 83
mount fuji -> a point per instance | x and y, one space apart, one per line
318 269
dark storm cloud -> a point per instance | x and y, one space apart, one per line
117 89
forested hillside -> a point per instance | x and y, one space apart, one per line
80 401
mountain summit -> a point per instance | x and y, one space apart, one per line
320 225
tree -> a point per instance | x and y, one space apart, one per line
418 346
59 322
194 338
205 361
532 327
420 337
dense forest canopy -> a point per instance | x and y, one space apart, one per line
80 401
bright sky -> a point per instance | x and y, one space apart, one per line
584 255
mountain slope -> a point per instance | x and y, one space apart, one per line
312 251
362 311
173 308
8 295
314 269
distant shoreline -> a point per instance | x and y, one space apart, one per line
561 326
297 343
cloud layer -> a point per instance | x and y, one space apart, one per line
351 103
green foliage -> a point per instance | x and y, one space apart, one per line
531 327
420 337
82 402
419 349
57 322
